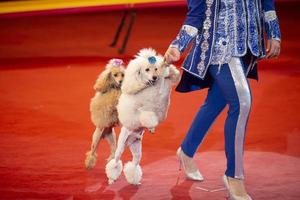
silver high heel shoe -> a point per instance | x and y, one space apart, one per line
196 175
230 193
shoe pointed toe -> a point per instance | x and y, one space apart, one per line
196 176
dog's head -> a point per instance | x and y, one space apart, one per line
149 65
111 77
117 71
143 71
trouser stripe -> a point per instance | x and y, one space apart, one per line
244 97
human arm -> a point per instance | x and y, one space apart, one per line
272 29
189 30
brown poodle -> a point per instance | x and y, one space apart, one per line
103 108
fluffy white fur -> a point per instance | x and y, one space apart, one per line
133 173
103 109
113 170
143 104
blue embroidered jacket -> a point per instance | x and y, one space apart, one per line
200 30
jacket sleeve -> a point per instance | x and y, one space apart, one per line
271 20
192 24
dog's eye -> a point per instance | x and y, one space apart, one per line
122 75
115 75
147 70
155 69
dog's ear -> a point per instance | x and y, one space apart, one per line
103 82
132 83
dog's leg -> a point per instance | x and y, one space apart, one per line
114 167
132 170
122 141
111 139
91 156
174 74
136 151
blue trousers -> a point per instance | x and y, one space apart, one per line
230 87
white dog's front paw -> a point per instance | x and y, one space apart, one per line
113 170
148 119
90 160
133 173
174 74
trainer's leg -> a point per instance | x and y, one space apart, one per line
234 85
211 108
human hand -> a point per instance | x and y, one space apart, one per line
273 48
172 55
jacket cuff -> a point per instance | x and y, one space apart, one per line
186 34
272 25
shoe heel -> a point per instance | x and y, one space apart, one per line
180 165
179 160
227 195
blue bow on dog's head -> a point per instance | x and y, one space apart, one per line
152 60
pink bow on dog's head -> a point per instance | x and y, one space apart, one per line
116 62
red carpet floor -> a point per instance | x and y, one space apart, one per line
48 65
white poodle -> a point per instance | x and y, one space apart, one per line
103 108
143 104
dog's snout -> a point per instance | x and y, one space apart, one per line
154 78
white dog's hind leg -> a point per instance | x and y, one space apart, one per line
111 139
113 170
91 156
114 167
148 119
132 170
122 142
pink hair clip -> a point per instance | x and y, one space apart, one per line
116 62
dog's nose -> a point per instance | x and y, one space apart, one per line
154 78
120 82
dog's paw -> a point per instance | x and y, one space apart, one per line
133 173
174 74
113 170
151 130
90 160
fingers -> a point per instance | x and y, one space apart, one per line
268 46
168 58
271 51
172 55
273 48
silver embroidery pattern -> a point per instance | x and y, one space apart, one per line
272 25
252 28
270 16
221 51
205 44
186 34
